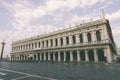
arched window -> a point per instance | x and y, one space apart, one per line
89 37
74 39
67 40
51 41
81 38
56 42
35 44
61 40
98 36
43 43
26 46
29 46
47 43
39 44
32 45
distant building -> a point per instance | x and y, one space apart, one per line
92 41
118 51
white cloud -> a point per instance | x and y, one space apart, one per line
114 16
116 31
24 11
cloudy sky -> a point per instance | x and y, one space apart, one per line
21 19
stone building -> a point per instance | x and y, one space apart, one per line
88 42
118 52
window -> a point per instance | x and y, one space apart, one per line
39 44
67 40
51 42
81 38
42 43
47 43
89 37
74 39
56 42
61 40
98 36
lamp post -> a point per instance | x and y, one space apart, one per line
3 44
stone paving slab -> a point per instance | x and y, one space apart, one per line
59 71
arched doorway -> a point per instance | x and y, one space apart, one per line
98 36
51 56
56 56
46 56
91 55
74 39
62 56
101 56
74 56
38 57
82 55
89 37
30 57
25 57
35 57
42 56
67 56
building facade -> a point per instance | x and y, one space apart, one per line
92 41
118 52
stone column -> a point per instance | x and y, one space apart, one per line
78 55
37 44
41 44
86 56
48 56
16 58
23 57
106 36
70 40
64 40
36 57
34 45
93 34
44 56
49 43
10 58
33 57
45 45
108 55
77 39
85 40
71 56
64 56
24 47
95 55
53 42
102 37
40 57
30 47
53 56
59 56
27 57
21 48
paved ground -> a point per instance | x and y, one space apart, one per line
58 71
